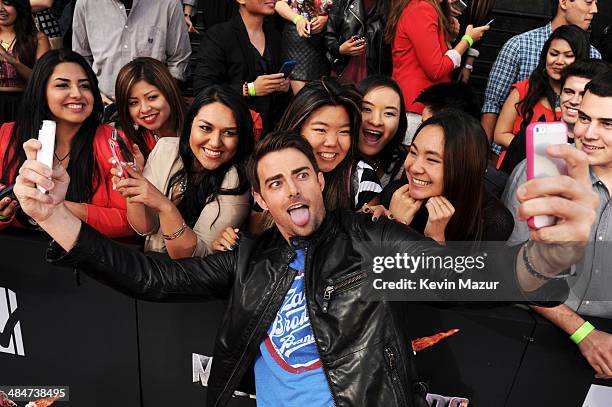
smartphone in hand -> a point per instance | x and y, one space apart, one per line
539 164
287 68
7 192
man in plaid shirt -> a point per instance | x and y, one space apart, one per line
520 54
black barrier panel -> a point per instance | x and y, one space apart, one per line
169 335
75 332
554 372
480 361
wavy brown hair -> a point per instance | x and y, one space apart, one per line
155 73
398 6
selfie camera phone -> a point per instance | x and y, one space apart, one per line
539 164
7 192
287 68
121 153
46 136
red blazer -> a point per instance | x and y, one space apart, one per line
107 211
418 52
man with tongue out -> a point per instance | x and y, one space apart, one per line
296 313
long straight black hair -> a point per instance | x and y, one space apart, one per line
465 162
539 81
84 174
202 187
26 39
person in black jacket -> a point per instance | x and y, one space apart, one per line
355 28
298 309
245 53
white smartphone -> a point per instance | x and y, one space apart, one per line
46 136
539 164
490 21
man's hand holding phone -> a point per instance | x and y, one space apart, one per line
354 46
571 199
266 84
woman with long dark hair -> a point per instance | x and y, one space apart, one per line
537 98
195 185
149 103
420 32
383 125
442 193
21 44
328 115
63 88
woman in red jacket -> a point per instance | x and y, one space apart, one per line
420 32
63 88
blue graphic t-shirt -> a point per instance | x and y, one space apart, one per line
288 372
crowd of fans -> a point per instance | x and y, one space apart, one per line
379 90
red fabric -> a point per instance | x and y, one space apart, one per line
257 125
107 211
149 140
418 52
539 109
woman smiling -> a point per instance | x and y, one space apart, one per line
63 88
149 103
195 185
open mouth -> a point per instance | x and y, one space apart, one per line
371 136
150 119
590 147
75 107
299 213
212 154
419 182
328 156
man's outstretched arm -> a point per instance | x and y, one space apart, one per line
154 278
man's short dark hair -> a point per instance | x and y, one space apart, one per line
587 69
454 95
601 85
276 141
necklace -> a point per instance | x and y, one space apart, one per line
7 45
61 160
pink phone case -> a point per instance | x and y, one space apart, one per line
539 136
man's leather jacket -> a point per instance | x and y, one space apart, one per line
364 346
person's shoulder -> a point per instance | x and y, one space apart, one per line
231 179
521 86
419 8
167 149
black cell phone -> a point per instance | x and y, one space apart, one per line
287 68
7 191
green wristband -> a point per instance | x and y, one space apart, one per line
582 332
4 218
297 19
469 39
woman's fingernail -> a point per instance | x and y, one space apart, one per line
366 210
391 217
521 192
374 219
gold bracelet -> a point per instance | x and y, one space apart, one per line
176 234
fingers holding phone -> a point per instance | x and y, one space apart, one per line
8 202
354 46
266 84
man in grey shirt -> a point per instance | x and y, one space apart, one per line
110 33
592 287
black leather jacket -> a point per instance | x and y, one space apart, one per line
364 346
348 18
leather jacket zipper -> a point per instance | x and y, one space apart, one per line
397 384
314 335
340 286
357 17
265 311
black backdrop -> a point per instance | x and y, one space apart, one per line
113 350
